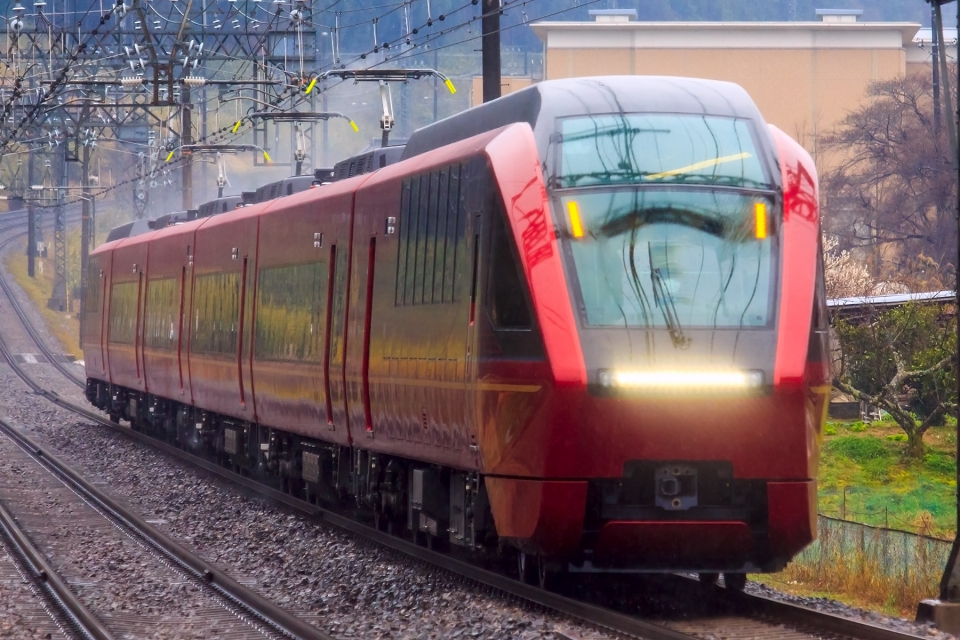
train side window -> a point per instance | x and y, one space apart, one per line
507 306
123 312
291 319
216 313
161 330
454 232
429 256
422 238
440 236
432 237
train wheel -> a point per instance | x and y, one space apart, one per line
735 581
548 577
528 569
709 578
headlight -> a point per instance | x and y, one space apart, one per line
682 381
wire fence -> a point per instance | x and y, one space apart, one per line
887 566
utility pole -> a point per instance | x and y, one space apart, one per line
85 219
58 299
936 72
490 29
186 138
32 238
945 612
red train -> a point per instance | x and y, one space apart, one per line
584 322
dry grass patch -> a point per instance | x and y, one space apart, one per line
65 327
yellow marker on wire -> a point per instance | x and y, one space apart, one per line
236 126
355 127
450 86
266 157
170 156
311 85
576 225
760 219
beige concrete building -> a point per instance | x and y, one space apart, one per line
804 76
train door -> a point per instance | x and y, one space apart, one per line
102 334
138 336
367 315
180 312
242 341
328 324
472 200
338 337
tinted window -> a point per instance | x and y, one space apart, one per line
216 311
432 231
123 312
291 318
162 314
508 304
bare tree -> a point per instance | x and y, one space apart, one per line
893 190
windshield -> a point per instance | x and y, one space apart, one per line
672 258
657 149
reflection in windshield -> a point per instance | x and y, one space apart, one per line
674 259
657 149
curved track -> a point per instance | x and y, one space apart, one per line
732 614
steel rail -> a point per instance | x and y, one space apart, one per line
752 605
250 602
73 612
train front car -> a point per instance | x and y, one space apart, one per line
669 239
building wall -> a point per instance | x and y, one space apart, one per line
804 77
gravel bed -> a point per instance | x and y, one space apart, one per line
837 608
130 590
22 615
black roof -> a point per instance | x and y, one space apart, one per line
220 205
539 104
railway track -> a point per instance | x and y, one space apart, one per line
55 598
719 612
236 611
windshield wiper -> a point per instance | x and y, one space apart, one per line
664 215
663 299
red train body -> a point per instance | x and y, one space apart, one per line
557 323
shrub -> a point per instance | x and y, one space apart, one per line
830 430
858 427
859 449
940 463
897 437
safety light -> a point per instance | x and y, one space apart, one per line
576 226
682 381
760 216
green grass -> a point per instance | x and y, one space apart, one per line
883 487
